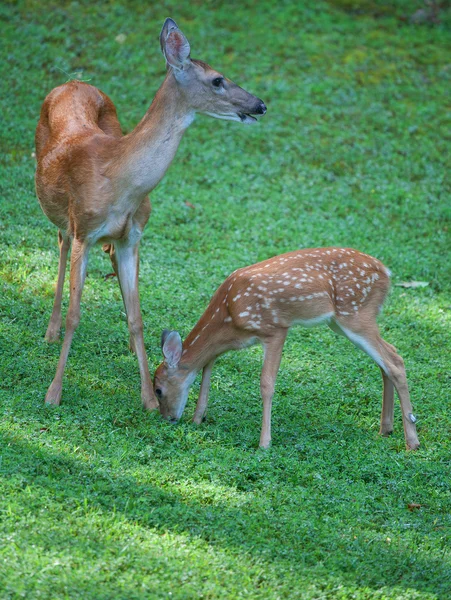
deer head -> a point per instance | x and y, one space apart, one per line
172 382
205 90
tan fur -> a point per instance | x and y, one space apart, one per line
93 183
338 286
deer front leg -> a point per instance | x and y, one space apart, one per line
127 265
111 251
201 406
54 327
273 354
78 264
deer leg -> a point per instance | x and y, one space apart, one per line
384 354
78 264
202 402
273 354
387 405
111 251
54 327
127 264
397 375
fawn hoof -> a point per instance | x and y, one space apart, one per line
412 445
53 395
198 420
386 431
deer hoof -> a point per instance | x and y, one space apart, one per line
149 402
386 431
265 445
52 335
413 445
53 395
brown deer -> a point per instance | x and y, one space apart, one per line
93 183
338 286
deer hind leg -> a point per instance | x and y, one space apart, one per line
54 327
368 339
109 248
78 264
127 264
388 399
273 355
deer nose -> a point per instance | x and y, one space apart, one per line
261 108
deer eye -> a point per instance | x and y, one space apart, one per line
217 81
158 392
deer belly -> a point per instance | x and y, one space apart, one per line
117 228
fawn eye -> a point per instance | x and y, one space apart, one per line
217 81
158 392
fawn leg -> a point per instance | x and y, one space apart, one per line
202 402
368 339
273 353
387 405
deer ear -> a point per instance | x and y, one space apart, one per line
164 335
168 26
171 344
174 45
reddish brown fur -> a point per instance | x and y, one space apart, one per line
93 183
78 140
340 286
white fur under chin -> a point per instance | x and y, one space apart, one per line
184 394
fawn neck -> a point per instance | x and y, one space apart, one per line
145 154
212 335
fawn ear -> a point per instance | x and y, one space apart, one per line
164 335
175 46
171 344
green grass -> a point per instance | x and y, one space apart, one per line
101 500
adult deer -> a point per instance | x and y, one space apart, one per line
338 286
92 182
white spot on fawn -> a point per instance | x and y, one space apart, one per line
195 339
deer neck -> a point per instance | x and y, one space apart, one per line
145 154
207 339
213 335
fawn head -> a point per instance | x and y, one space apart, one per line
172 381
206 91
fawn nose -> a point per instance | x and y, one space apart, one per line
261 108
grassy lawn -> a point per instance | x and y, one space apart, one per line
99 499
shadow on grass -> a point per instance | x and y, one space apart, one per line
295 524
307 540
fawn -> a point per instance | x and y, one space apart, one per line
341 287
